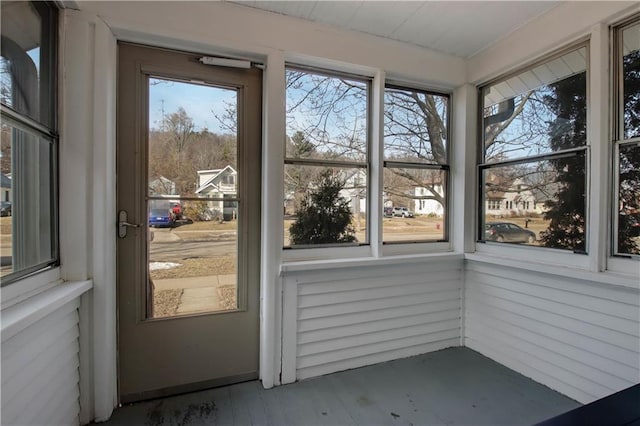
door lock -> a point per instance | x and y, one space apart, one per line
123 224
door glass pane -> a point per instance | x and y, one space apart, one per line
193 202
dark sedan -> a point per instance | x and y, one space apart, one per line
508 233
5 208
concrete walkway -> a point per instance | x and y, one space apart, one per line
201 294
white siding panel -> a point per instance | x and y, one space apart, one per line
40 371
392 323
360 340
366 306
614 337
624 360
546 305
320 287
362 318
581 338
374 293
570 358
363 315
361 361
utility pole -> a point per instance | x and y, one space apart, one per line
162 110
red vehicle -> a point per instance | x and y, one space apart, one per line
176 209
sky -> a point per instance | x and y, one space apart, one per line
200 102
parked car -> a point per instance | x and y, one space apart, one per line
161 217
387 212
5 208
402 212
508 233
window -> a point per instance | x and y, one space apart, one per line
28 237
627 139
416 164
534 151
326 159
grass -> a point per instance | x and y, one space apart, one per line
211 225
166 302
5 225
199 267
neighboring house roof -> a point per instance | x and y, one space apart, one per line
5 181
495 195
217 173
162 185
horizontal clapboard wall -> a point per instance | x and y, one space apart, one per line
581 338
40 371
351 317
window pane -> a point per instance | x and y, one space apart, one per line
629 200
26 65
326 117
26 222
544 199
415 126
414 203
192 140
324 205
538 111
631 80
192 263
193 150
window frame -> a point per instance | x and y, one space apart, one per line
618 140
414 165
518 251
357 248
45 128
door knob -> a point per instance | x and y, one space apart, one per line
123 224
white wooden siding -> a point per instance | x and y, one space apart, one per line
351 317
578 337
40 371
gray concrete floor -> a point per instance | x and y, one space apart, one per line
455 386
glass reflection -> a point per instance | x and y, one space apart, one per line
326 117
415 126
324 205
27 227
414 205
544 200
193 205
628 237
539 111
631 80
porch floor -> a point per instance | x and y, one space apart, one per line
455 386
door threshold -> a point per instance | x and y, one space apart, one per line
187 388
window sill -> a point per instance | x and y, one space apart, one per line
21 315
30 286
561 259
319 265
624 266
608 278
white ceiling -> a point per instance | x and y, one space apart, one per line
461 28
